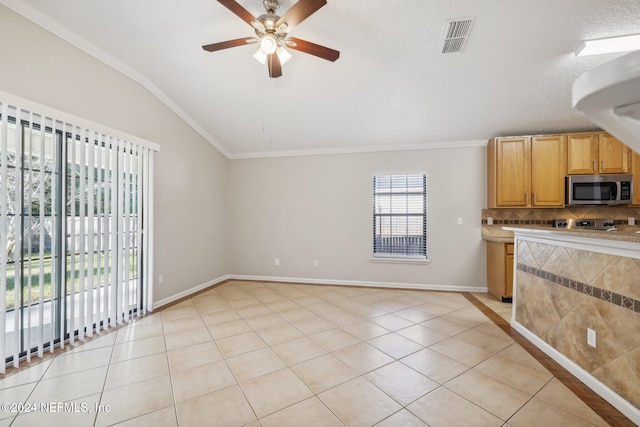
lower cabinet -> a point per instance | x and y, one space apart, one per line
500 270
635 170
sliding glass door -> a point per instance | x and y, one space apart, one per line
74 207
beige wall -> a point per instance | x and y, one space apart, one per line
301 209
216 217
190 175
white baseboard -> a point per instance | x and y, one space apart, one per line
397 285
190 291
590 381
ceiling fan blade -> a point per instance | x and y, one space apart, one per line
240 11
275 68
313 49
229 43
299 12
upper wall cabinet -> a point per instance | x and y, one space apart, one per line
548 169
582 153
614 155
526 171
509 169
596 153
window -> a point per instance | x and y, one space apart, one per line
400 216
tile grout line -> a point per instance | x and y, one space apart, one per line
227 365
601 407
106 376
365 318
270 348
531 398
289 367
166 349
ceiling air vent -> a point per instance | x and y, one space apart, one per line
456 32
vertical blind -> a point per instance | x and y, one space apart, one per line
76 224
400 216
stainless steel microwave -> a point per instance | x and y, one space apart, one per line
598 189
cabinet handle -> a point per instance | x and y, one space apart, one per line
526 198
602 167
594 165
534 198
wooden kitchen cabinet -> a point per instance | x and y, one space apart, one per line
526 171
614 155
509 168
596 153
582 153
500 270
548 169
635 170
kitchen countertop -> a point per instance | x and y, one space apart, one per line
504 233
497 233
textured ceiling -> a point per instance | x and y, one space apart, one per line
390 88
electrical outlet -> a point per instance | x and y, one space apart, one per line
315 263
160 279
490 221
277 261
459 220
591 337
631 220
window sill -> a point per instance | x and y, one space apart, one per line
401 260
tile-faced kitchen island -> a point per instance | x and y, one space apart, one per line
566 282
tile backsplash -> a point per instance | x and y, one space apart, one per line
541 216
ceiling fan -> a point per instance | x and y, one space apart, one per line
272 33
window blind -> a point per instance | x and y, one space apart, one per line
400 216
76 221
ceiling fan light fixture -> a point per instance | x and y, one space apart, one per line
283 55
268 44
260 56
271 33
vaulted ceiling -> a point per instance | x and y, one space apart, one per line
391 88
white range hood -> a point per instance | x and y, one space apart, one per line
609 96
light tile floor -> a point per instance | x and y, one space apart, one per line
275 354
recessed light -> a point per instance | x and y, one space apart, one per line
609 45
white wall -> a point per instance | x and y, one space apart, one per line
301 209
190 175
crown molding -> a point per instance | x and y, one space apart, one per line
437 145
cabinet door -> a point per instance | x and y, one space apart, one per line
513 172
548 170
509 276
614 155
500 269
582 158
635 170
495 269
508 266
